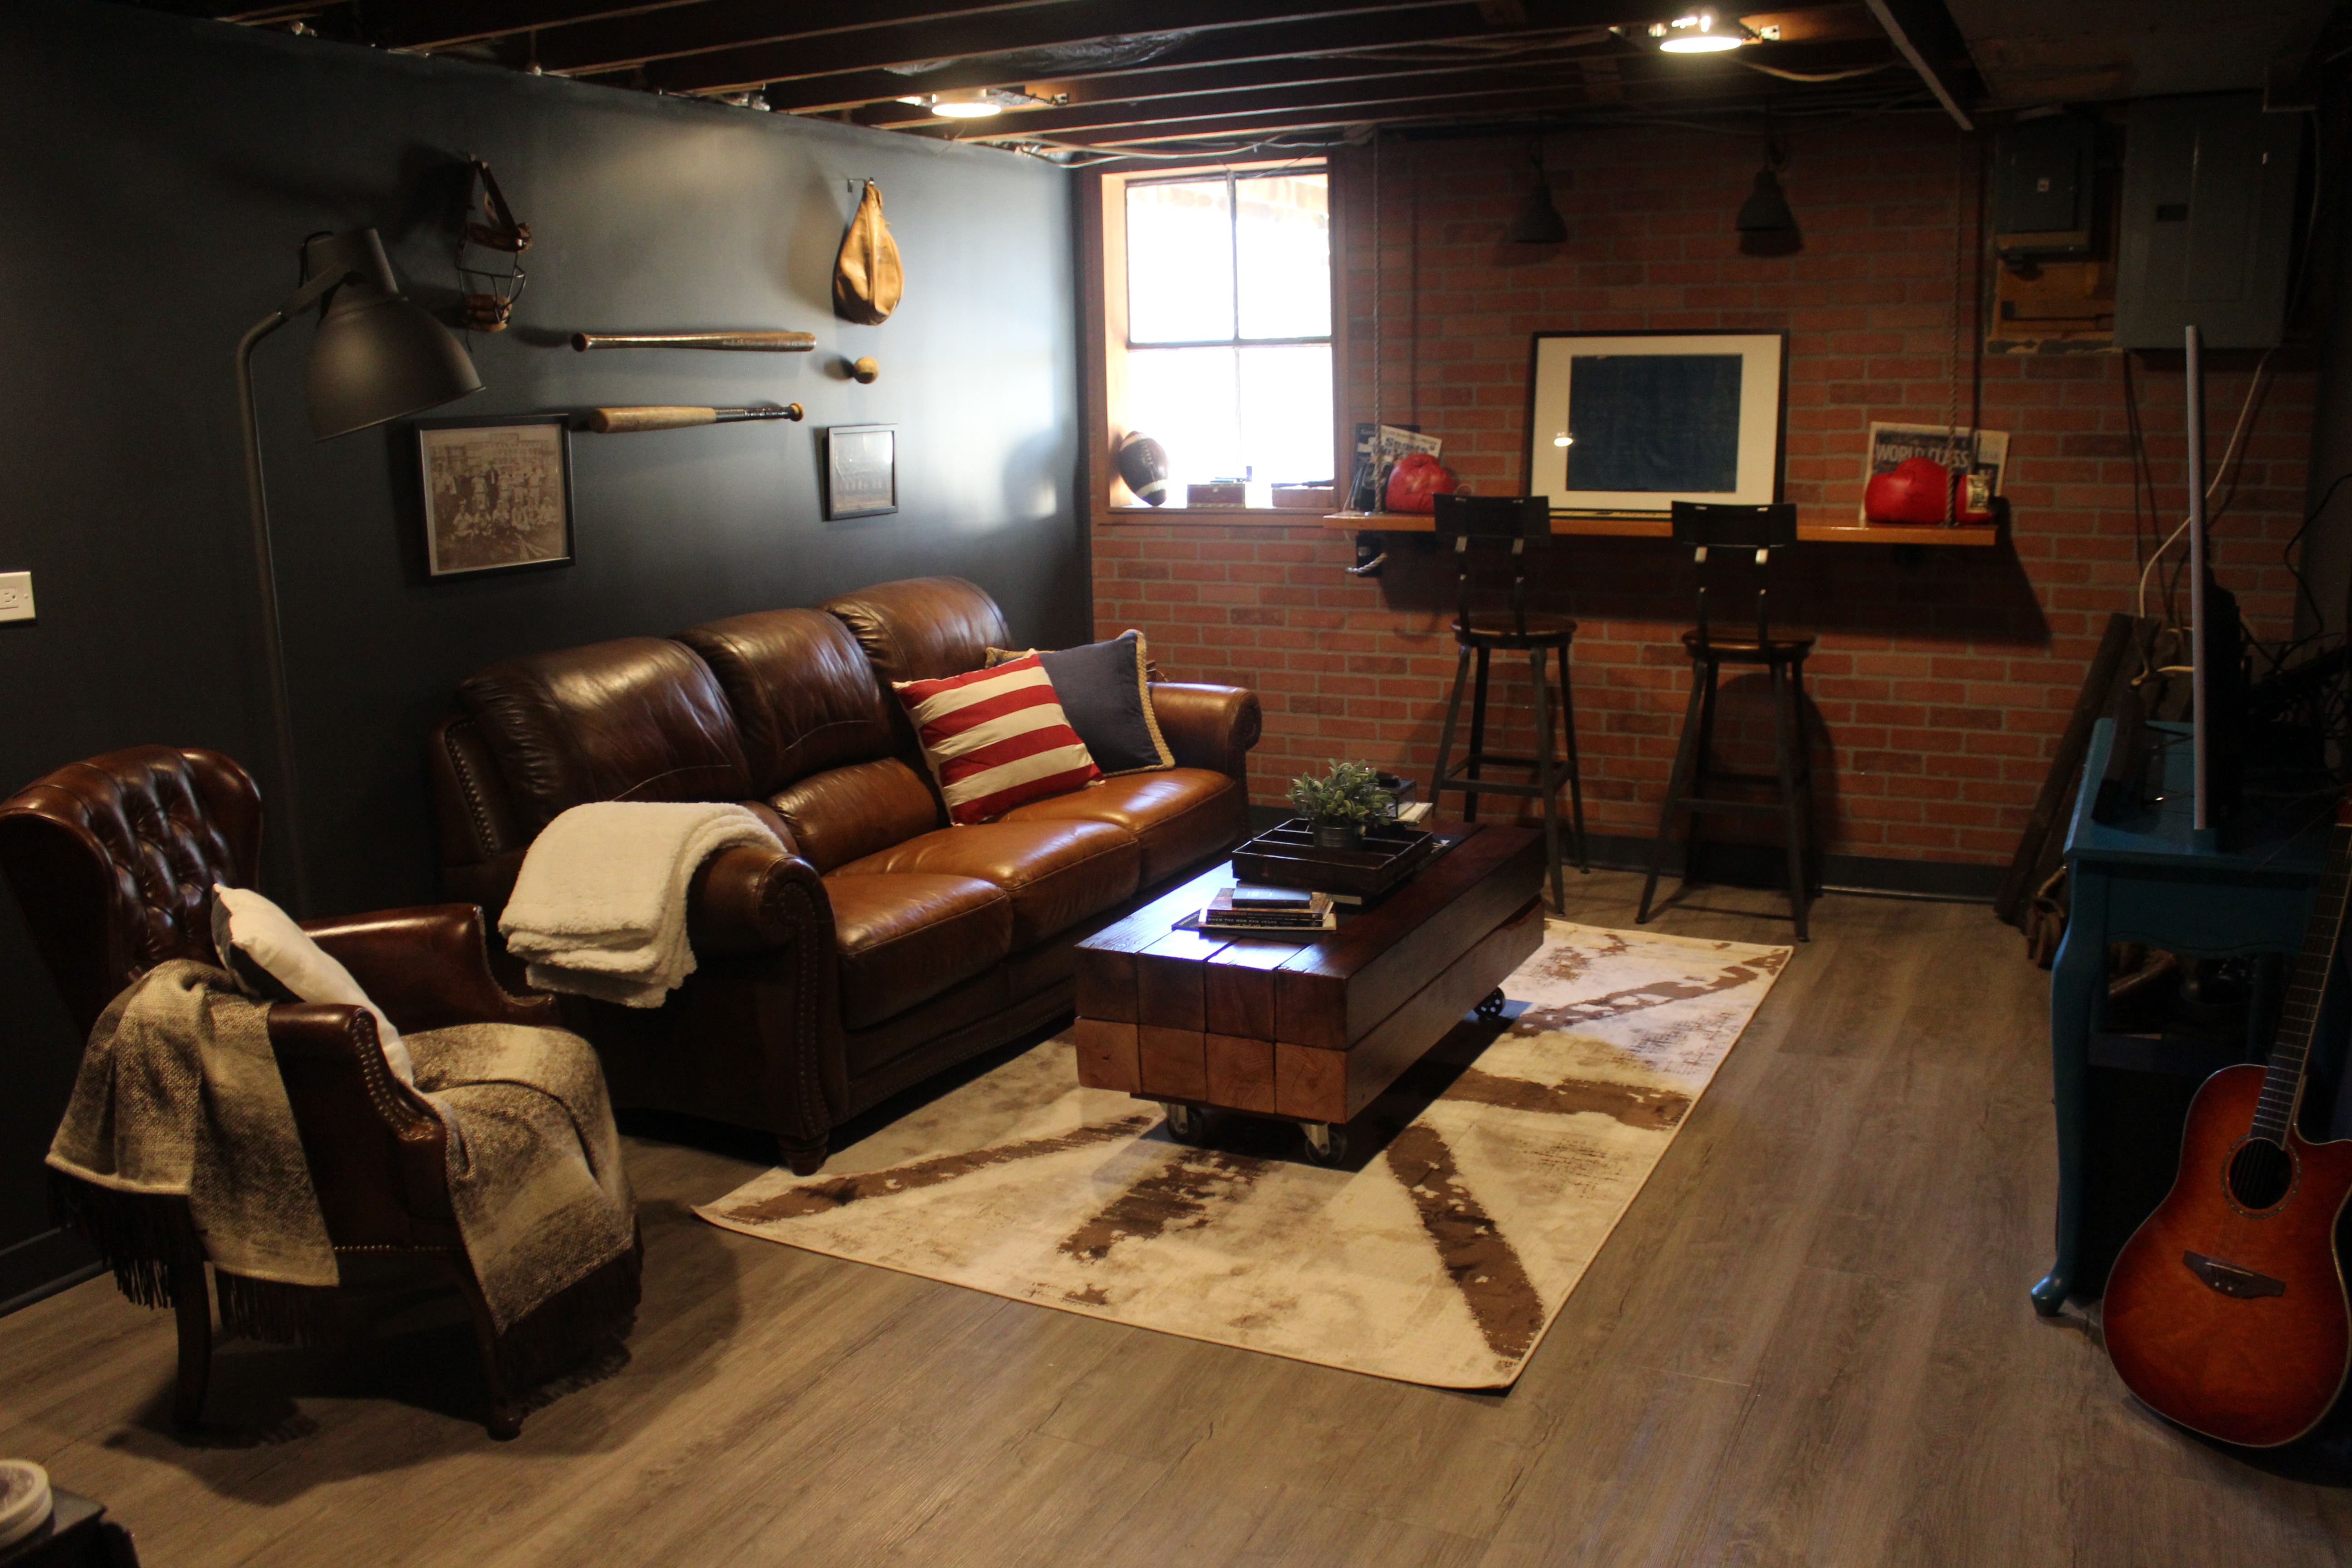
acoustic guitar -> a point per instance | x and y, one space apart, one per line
2226 1311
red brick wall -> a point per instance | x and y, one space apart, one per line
1938 691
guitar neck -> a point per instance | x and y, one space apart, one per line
2299 1015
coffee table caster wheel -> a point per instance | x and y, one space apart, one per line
1491 1007
1186 1124
1326 1141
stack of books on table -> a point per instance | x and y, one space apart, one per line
1268 911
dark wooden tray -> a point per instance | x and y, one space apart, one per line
1287 857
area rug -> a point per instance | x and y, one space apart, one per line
1476 1193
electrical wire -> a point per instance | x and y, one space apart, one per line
1815 76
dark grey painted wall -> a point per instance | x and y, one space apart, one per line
160 176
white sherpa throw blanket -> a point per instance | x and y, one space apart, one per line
599 908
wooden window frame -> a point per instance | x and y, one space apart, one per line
1102 222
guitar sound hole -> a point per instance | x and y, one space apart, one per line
2260 1173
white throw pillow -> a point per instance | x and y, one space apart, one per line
244 920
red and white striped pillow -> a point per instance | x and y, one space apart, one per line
995 738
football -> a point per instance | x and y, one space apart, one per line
1143 464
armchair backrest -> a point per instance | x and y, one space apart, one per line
113 860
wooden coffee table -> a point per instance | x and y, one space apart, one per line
1306 1030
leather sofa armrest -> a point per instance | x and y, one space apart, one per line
1208 726
377 1151
751 897
428 968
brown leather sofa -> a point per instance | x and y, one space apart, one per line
880 945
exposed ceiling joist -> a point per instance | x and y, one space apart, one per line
1325 46
1136 72
444 23
1198 32
1196 88
1360 93
1550 105
729 25
1922 32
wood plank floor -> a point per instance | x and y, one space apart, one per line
1809 1342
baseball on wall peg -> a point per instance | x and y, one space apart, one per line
1143 464
862 370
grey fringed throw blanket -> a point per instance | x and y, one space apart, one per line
179 1097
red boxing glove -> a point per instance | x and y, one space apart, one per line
1417 477
1913 492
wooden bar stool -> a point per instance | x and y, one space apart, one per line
1760 528
1520 520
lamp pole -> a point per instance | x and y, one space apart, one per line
378 355
287 808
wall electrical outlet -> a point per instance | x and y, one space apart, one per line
15 595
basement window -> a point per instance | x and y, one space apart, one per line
1216 329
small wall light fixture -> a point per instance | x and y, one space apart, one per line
1539 223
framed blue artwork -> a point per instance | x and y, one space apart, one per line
1621 422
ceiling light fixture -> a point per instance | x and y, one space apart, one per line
1703 32
967 109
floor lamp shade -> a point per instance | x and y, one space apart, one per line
377 355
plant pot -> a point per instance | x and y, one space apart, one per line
1339 835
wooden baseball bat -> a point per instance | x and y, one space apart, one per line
754 341
624 421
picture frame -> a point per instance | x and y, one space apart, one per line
861 470
1659 416
496 493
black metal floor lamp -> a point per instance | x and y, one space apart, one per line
377 355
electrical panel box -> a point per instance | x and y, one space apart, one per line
2042 185
2208 222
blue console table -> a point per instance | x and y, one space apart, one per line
2147 879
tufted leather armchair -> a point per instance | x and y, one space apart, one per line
113 860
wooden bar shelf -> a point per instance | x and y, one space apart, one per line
1817 530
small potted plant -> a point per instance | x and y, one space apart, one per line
1339 804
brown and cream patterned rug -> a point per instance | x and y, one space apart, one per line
1477 1191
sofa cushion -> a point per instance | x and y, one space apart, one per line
843 813
1181 817
634 719
905 938
920 628
1058 873
1104 691
805 696
995 739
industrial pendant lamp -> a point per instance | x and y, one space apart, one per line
1540 223
1766 226
377 355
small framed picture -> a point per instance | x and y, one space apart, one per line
497 493
861 470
